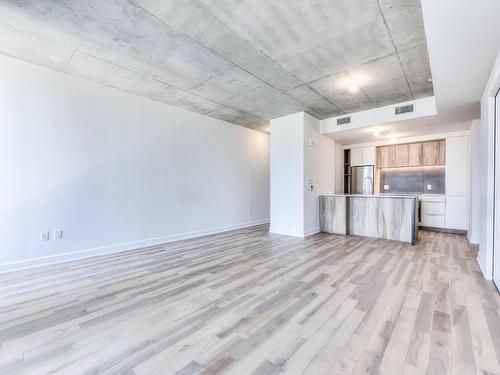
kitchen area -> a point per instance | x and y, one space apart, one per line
392 190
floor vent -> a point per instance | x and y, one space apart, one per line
405 109
344 120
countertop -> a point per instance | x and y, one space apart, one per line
369 195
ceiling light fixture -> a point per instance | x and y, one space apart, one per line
353 89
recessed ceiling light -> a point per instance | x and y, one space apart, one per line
353 89
376 134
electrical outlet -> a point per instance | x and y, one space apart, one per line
44 236
58 234
386 187
429 187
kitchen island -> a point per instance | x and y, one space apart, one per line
391 217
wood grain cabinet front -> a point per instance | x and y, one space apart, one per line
412 154
386 157
402 155
415 154
434 153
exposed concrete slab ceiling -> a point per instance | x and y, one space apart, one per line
243 61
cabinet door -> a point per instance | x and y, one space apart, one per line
456 177
441 158
402 155
415 154
356 156
386 156
368 155
430 152
456 213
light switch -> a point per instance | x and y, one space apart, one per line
386 187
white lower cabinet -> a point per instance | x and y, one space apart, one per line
436 221
432 211
456 212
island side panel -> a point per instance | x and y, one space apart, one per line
387 218
333 215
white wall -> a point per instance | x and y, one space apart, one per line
319 168
339 168
487 160
474 182
115 171
299 155
287 175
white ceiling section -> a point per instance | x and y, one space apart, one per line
243 61
463 39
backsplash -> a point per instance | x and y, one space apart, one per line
413 180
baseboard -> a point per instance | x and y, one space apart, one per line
482 267
471 241
81 254
286 232
310 232
443 230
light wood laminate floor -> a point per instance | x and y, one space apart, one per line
250 302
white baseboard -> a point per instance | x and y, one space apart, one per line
286 232
482 267
310 232
81 254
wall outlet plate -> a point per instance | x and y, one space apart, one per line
58 234
429 187
44 236
386 187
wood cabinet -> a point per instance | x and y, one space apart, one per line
442 152
415 154
402 155
412 154
434 153
386 156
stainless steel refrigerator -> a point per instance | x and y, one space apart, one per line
362 180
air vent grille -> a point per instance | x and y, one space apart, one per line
344 120
404 109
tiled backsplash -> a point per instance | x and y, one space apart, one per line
412 180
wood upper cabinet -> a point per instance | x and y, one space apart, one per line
434 153
442 152
386 156
402 155
412 154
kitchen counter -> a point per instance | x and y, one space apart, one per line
370 195
392 217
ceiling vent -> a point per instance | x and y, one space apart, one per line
344 120
405 109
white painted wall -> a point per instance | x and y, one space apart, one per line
299 155
287 175
115 171
474 182
487 173
319 168
339 168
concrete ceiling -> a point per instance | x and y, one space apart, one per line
463 46
242 61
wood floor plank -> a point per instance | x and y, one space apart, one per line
251 302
